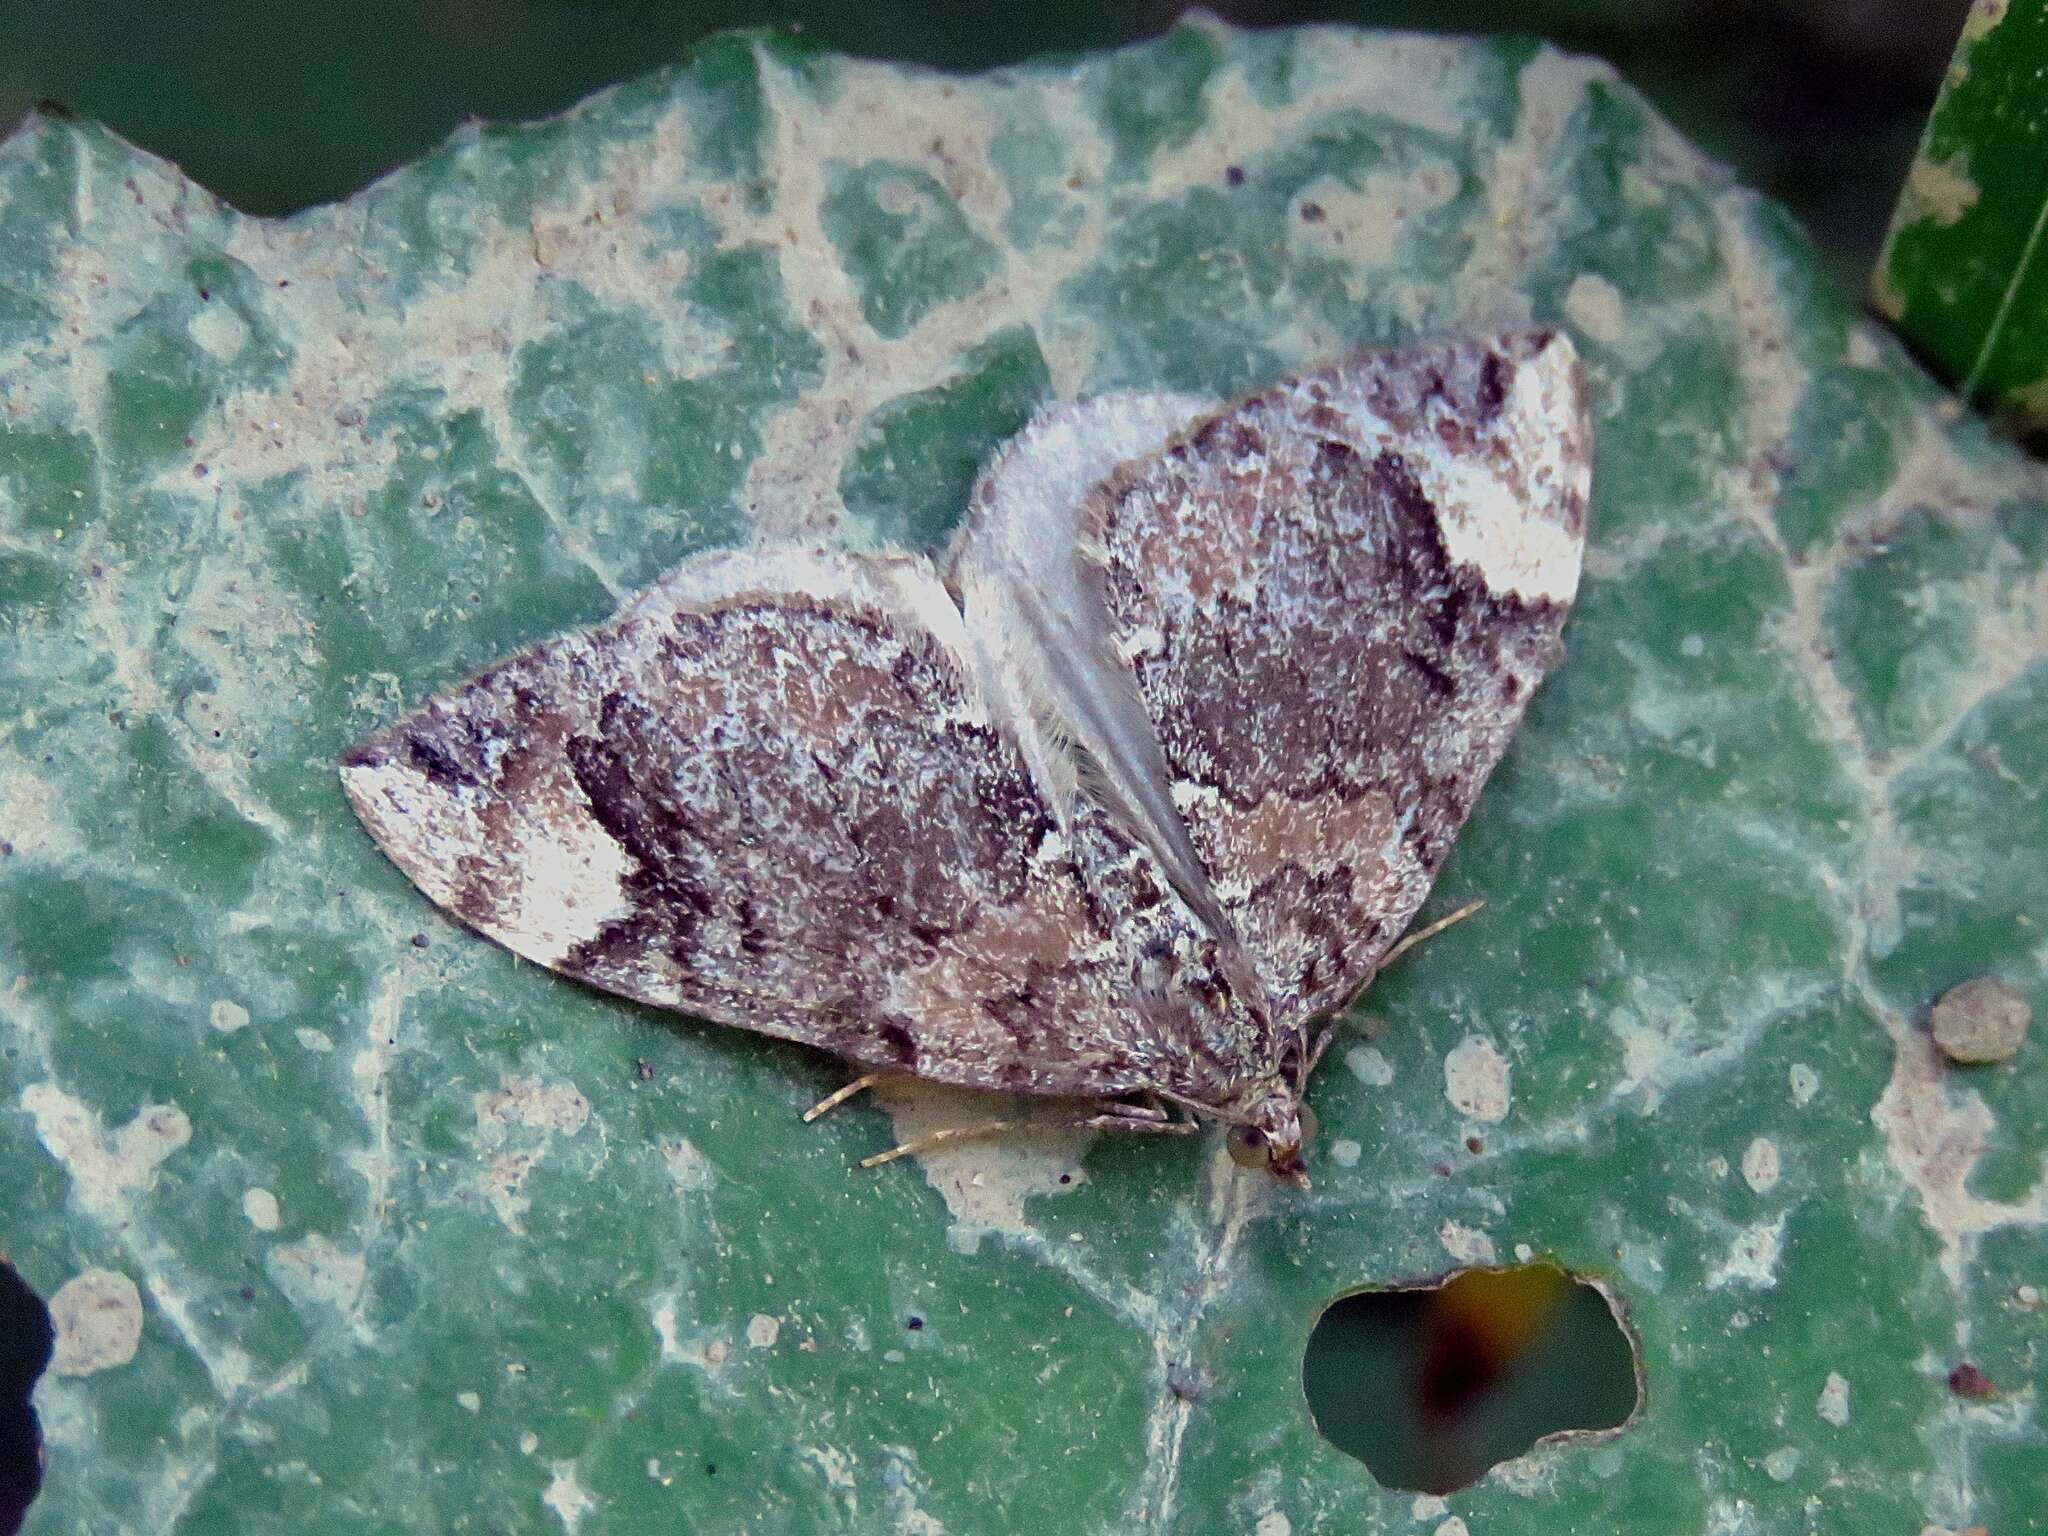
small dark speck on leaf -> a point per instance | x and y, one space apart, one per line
1189 1383
1312 213
913 1322
1474 1145
6 848
1066 1178
248 1293
711 1469
643 1069
206 295
1234 174
1442 1170
1967 1381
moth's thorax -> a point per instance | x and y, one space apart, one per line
1224 1039
1199 1026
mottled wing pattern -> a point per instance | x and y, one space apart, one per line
768 794
1337 598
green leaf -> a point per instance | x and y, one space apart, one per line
1964 271
418 1241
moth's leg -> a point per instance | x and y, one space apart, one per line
1143 1125
1147 1113
1320 1044
1146 1108
1144 1119
939 1138
1411 940
834 1100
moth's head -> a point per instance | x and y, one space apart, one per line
1269 1133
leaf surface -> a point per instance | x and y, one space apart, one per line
418 1241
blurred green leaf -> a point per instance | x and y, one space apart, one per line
1964 271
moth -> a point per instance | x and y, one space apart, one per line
1119 800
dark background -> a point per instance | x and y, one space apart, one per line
26 1340
277 106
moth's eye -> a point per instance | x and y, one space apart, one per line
1248 1146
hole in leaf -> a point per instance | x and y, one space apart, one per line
1432 1385
26 1341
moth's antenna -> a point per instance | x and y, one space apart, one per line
1435 928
